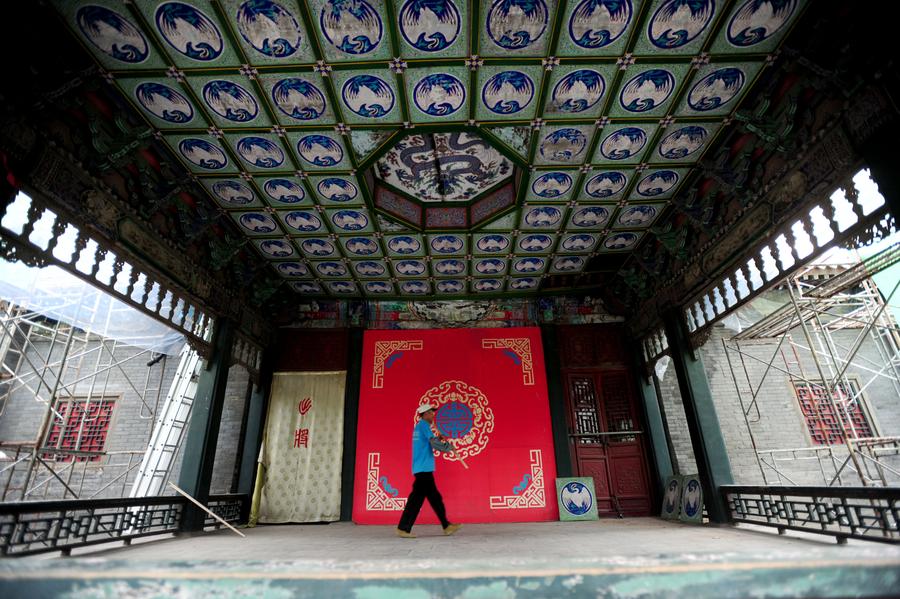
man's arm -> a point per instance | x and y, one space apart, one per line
441 444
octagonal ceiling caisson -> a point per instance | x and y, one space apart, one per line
443 179
401 148
443 167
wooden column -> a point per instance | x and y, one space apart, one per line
254 429
351 417
710 452
199 448
557 397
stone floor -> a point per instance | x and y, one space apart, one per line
341 541
640 557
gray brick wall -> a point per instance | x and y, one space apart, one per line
131 422
230 430
778 423
683 457
130 427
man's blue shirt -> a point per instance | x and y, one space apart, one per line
423 458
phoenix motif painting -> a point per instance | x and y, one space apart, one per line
359 145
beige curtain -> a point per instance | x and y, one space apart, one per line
299 472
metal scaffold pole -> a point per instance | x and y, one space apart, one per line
824 300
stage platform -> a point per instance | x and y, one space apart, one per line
640 557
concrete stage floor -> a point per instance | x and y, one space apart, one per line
639 557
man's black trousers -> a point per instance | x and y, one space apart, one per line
423 488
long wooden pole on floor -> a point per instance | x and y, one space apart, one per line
205 509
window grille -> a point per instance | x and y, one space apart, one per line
82 427
824 424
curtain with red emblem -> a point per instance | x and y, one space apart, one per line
490 390
300 461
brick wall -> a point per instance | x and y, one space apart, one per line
778 423
129 430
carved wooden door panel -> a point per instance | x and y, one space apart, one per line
585 435
629 478
605 443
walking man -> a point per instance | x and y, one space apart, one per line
423 441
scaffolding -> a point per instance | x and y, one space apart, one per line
824 301
57 365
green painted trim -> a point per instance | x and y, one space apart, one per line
657 434
199 449
351 420
255 424
557 397
381 150
475 31
710 451
501 145
814 572
392 28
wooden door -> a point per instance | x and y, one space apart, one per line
605 440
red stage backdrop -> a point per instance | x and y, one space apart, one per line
491 392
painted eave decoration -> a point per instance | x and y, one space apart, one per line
403 148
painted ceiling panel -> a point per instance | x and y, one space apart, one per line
301 120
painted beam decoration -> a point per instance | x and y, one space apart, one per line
490 392
527 139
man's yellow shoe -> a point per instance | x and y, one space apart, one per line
405 535
452 529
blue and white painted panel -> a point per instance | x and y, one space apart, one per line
257 224
605 186
677 27
682 143
433 28
447 244
555 185
516 27
270 31
352 30
190 32
620 241
232 193
438 94
260 152
597 27
589 218
202 153
283 192
405 245
535 243
349 220
336 190
626 143
578 91
637 216
165 103
230 100
757 25
298 98
564 145
320 150
368 97
507 91
647 90
717 89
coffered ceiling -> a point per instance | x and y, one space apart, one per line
402 148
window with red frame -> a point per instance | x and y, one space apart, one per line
825 425
82 426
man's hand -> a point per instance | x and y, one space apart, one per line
440 436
